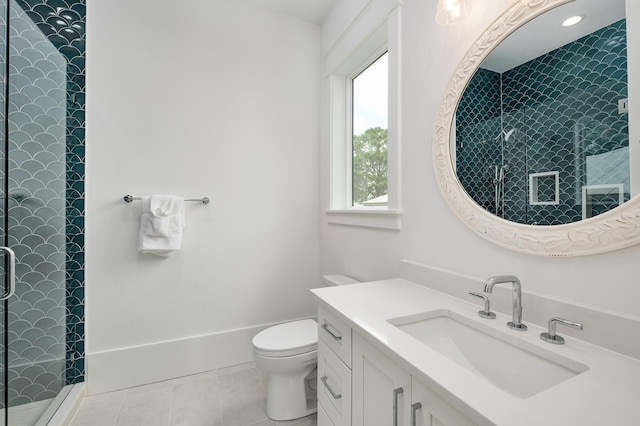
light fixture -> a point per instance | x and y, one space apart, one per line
571 21
451 11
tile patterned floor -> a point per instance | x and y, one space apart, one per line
232 396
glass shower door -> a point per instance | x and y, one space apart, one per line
3 201
33 218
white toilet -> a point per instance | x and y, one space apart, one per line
288 354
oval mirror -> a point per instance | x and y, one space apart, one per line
531 144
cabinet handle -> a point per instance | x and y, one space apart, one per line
414 410
326 384
326 328
396 393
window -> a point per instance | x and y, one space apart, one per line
363 88
369 118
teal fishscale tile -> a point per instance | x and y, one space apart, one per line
563 72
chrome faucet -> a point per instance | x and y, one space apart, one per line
551 335
516 298
486 313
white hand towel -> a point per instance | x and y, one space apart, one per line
157 244
160 209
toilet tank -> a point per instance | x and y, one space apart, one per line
331 280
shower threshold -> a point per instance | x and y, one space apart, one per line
64 406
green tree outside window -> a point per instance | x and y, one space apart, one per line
369 165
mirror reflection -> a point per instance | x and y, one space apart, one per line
542 129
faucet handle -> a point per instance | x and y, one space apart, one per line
487 310
551 335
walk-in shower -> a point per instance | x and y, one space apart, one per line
42 199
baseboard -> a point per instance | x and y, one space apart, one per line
606 329
128 367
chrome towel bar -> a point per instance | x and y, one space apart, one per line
203 200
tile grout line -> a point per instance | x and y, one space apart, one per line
121 406
171 405
218 401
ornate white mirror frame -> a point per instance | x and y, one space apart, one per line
613 230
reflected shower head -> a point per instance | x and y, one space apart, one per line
507 135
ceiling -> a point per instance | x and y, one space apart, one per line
309 10
538 37
544 33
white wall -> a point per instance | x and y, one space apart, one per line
431 233
213 98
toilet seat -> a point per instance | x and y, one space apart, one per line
289 339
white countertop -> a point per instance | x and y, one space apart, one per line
607 394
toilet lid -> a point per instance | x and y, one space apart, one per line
291 338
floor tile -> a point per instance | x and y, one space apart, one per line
242 399
196 402
233 396
305 421
151 406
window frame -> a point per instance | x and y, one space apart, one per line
383 39
379 53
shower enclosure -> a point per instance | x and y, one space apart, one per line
42 198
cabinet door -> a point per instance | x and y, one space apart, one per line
381 389
334 386
323 417
431 410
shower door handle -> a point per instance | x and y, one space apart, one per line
10 272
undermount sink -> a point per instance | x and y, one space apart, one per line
513 365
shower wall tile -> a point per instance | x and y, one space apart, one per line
564 107
570 96
478 144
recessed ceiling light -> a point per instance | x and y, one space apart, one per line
572 21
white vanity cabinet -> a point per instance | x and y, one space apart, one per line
382 356
358 385
334 370
384 394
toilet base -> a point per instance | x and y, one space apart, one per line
288 355
289 396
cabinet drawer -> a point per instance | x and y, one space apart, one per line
334 386
336 334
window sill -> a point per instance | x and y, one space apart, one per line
368 218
